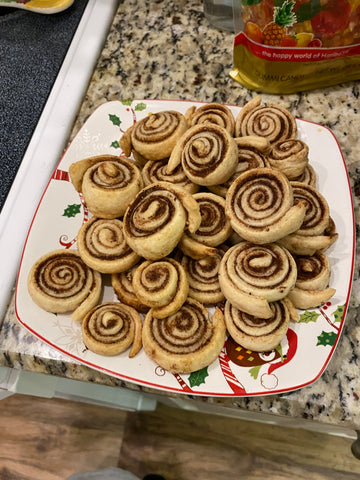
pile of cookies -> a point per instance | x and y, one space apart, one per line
201 210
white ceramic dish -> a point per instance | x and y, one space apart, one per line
310 343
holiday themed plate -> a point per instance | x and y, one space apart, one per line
309 344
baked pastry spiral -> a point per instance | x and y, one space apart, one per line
203 277
261 208
156 171
157 218
102 246
290 157
186 341
308 176
273 122
60 282
124 290
256 333
252 153
214 113
108 183
162 285
208 154
155 136
312 283
251 276
110 328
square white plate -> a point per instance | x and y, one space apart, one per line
310 343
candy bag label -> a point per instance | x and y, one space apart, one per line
285 46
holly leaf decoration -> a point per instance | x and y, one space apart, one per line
198 377
72 210
254 371
127 102
339 313
115 144
115 120
139 107
307 317
326 338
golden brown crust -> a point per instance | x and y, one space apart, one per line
102 246
207 153
254 333
260 206
214 113
108 184
158 217
156 171
155 136
162 285
124 290
290 157
186 341
251 276
59 282
110 328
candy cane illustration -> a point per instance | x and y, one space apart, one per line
232 381
182 384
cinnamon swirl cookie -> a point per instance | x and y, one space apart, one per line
162 285
312 283
108 183
102 246
214 113
251 276
157 218
317 231
273 122
252 153
155 136
308 176
124 290
110 328
256 333
261 208
208 154
60 282
156 171
203 277
186 341
290 157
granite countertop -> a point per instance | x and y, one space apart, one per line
167 50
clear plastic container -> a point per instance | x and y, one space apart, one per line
220 14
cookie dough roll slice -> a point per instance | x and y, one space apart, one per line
256 333
154 137
308 176
273 122
60 282
203 277
102 246
108 183
111 328
122 284
317 231
261 208
207 153
213 113
214 228
252 153
252 276
162 285
156 171
312 284
290 157
187 341
157 218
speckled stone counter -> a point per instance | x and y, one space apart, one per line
167 50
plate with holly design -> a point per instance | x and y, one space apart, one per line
303 354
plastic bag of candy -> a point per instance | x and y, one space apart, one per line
287 46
